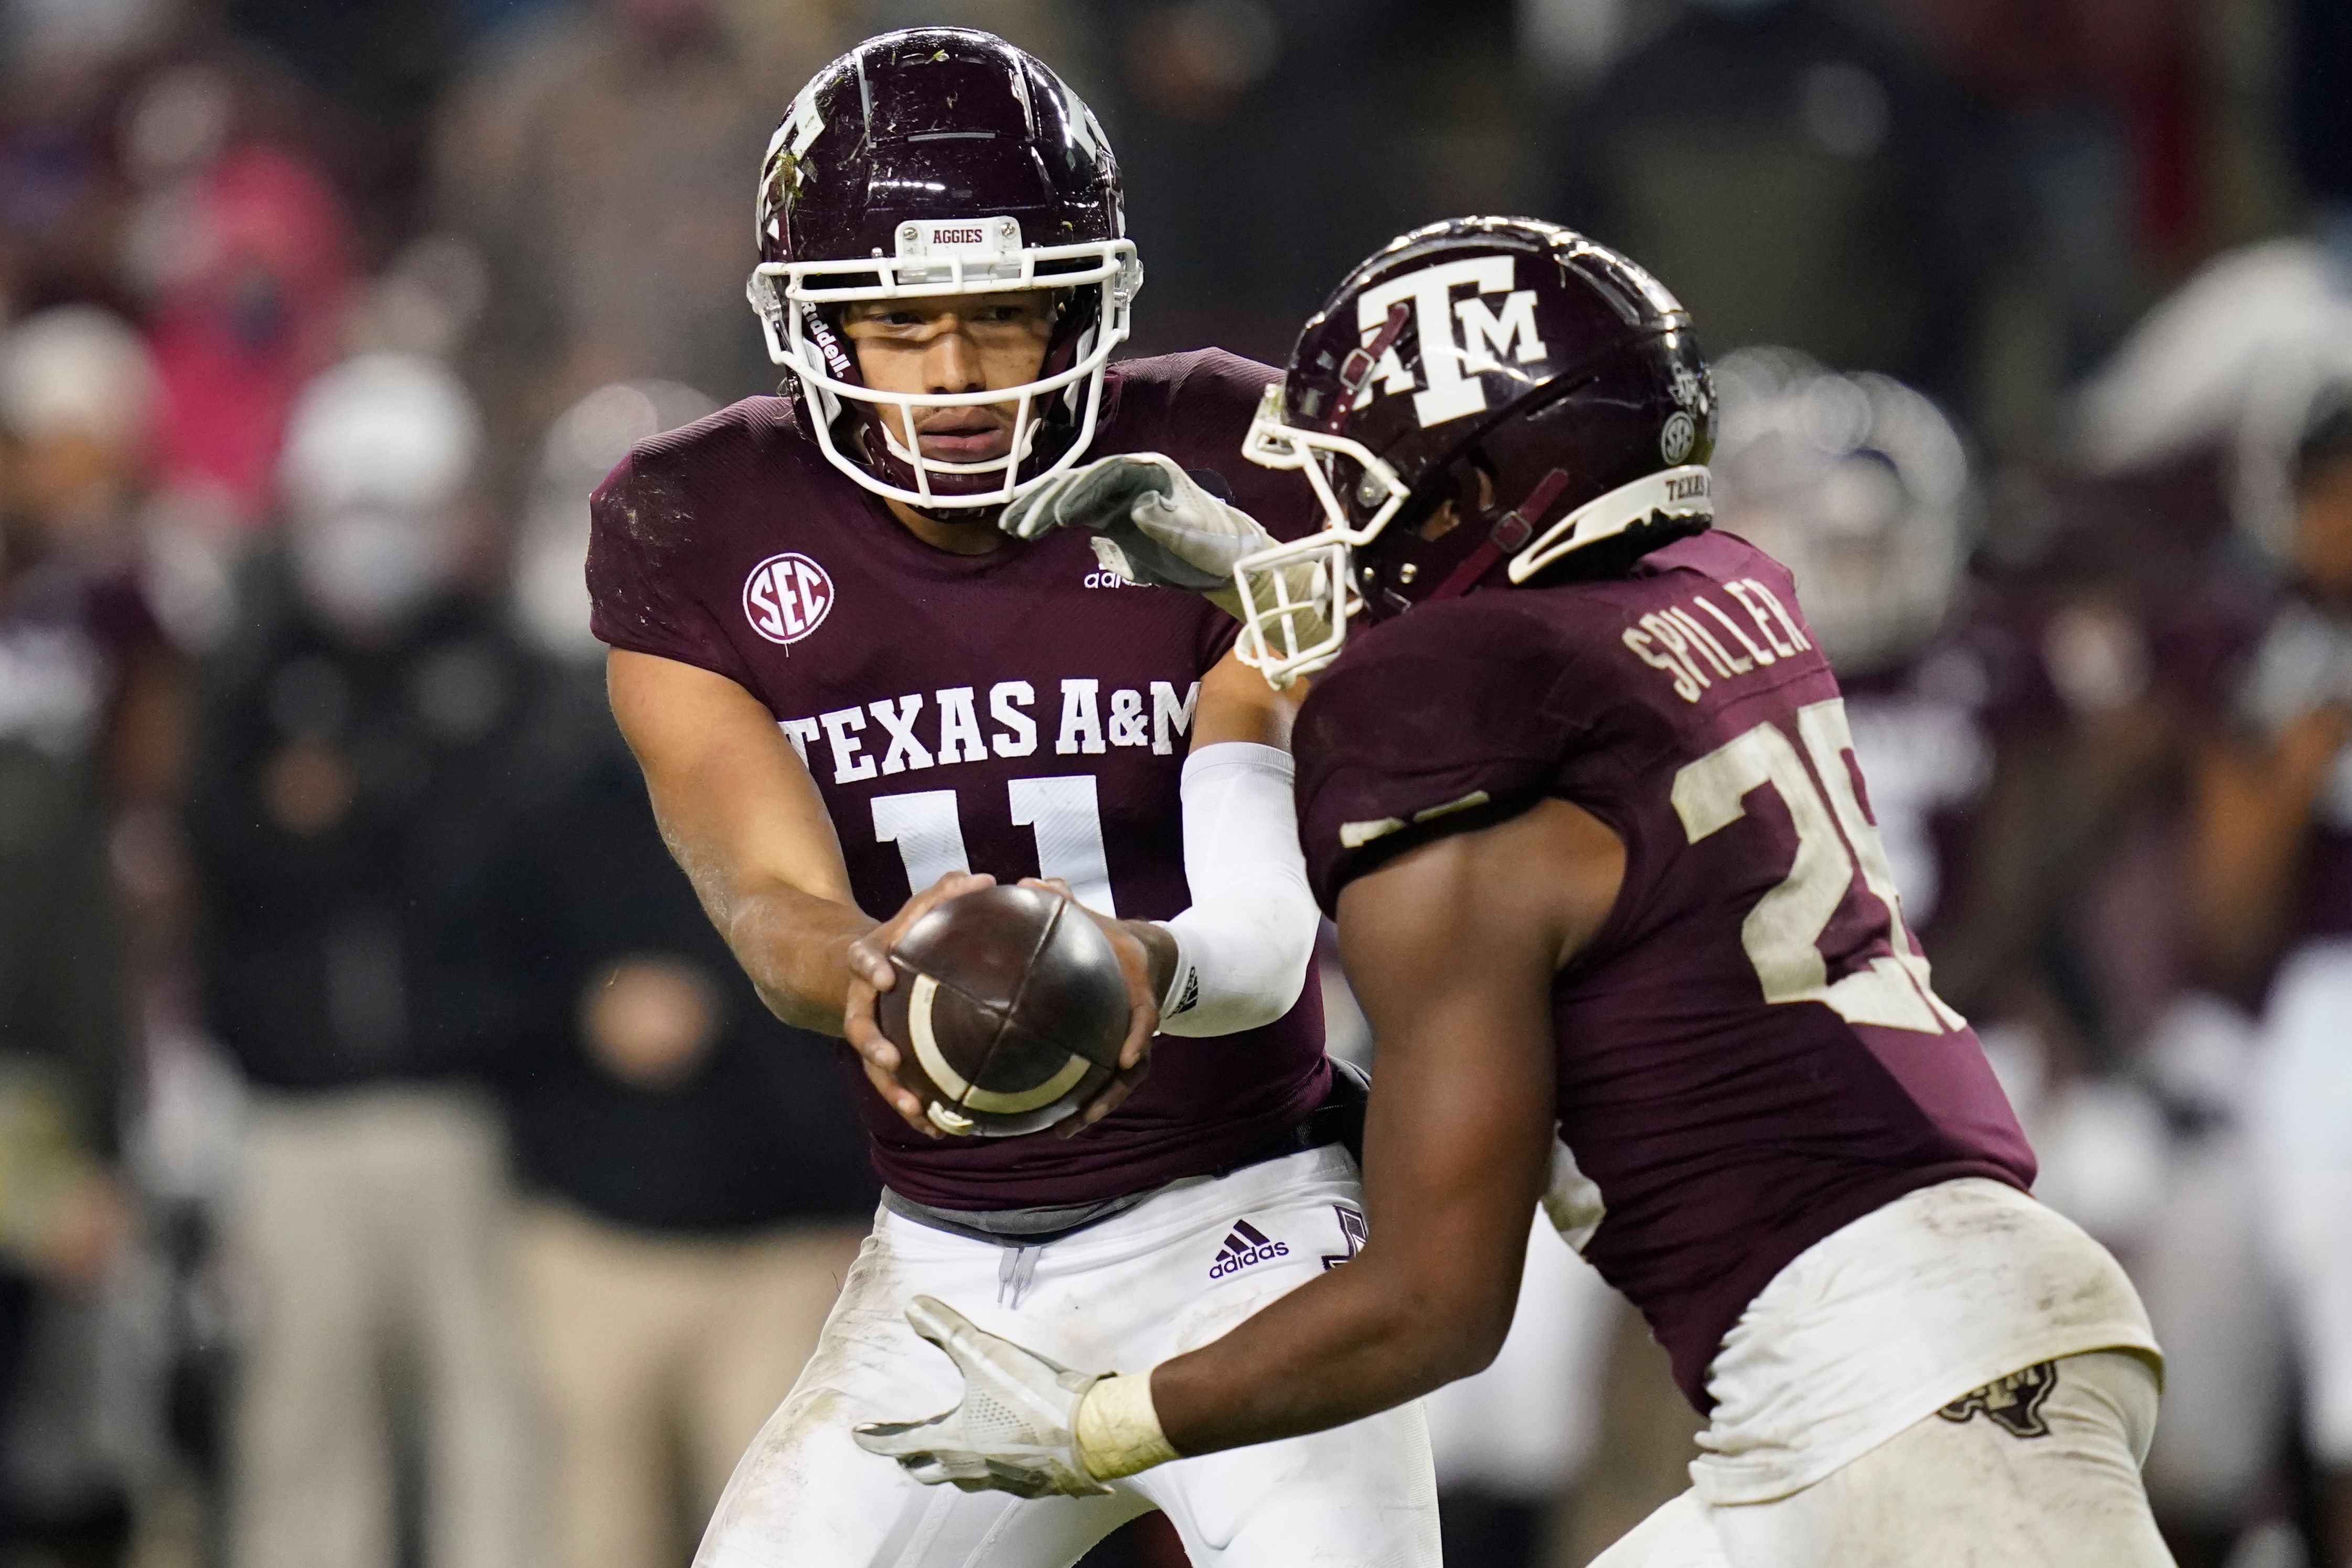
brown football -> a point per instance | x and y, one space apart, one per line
1008 1012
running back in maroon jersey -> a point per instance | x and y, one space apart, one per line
1749 1055
1022 713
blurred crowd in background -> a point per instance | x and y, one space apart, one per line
393 1167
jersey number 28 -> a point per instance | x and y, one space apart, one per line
1783 934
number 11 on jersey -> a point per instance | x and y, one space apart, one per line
1064 811
1783 934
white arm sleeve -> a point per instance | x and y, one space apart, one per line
1242 950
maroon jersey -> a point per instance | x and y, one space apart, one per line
1748 1053
1022 713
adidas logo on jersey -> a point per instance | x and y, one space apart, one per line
1246 1245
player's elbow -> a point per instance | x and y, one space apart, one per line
1479 1324
1243 957
1456 1348
1454 1325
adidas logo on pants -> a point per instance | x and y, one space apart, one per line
1246 1245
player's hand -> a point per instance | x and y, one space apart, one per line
871 973
1153 523
1147 956
1023 1437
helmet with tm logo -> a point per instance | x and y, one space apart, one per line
1482 401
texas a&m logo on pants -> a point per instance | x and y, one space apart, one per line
786 597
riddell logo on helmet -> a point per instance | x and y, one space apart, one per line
1453 366
787 597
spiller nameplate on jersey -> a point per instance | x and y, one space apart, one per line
787 597
1698 641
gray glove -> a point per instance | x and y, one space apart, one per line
1016 1429
1153 523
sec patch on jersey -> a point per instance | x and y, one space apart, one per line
787 597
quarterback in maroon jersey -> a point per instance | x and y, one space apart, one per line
1583 799
854 693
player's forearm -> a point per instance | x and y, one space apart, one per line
2240 885
1452 949
2254 813
795 948
1358 1341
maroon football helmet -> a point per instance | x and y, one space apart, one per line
933 162
1544 385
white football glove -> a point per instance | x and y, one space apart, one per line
1015 1431
1152 523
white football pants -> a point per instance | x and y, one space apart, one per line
2303 1099
1945 1493
1166 1277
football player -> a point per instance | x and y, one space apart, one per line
1860 488
1582 800
852 694
2275 888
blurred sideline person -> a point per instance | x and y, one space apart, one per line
241 321
593 152
697 1184
89 696
1581 799
2210 421
2274 890
2274 847
347 795
853 693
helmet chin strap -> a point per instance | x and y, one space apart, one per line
1510 535
957 516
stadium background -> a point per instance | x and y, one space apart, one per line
392 1168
